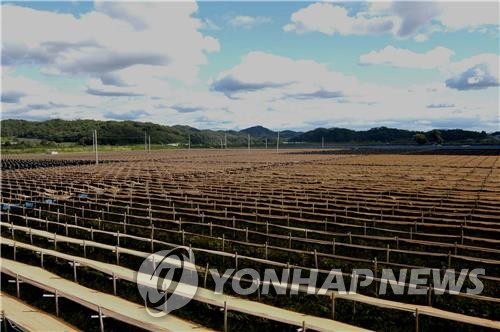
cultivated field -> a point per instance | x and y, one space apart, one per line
77 232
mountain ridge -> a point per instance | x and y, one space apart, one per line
132 132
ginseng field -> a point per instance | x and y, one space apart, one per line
74 233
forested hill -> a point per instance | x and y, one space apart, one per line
393 136
131 132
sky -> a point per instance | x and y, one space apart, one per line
232 65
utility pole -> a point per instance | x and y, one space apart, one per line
266 143
322 142
93 142
189 141
221 144
248 142
278 143
145 142
149 143
96 155
225 140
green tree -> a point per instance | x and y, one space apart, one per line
420 138
436 136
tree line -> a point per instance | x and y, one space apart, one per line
132 132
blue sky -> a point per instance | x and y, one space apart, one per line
291 65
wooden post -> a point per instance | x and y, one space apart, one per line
114 283
462 234
333 305
258 288
225 317
18 290
205 278
416 320
56 297
315 258
101 322
152 237
74 272
429 295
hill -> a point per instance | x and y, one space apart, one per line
384 135
258 131
127 133
131 132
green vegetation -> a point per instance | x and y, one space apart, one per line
74 136
48 134
420 138
384 135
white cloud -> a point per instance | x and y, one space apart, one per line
421 37
475 73
40 101
141 61
399 18
278 91
248 21
208 24
414 15
331 19
266 74
119 58
116 36
403 58
469 15
267 89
